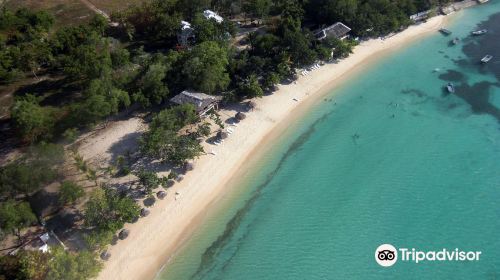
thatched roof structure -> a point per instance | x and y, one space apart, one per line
161 194
222 134
123 234
144 212
240 116
202 102
337 30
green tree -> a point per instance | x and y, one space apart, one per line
150 180
102 99
164 142
98 239
205 68
70 192
119 57
257 8
271 80
89 61
251 88
65 265
32 121
33 265
107 210
24 178
153 89
16 216
29 173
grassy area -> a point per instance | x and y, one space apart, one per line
72 11
66 12
109 6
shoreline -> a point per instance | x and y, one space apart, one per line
154 240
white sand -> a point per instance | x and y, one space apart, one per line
154 239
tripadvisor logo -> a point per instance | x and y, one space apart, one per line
387 255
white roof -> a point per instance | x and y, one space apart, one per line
44 248
185 25
45 237
210 14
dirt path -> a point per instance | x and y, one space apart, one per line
94 8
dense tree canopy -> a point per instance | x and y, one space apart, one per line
205 68
31 172
108 210
33 122
15 216
164 142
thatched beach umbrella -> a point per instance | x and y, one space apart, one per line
161 194
123 234
188 166
105 255
144 212
150 201
240 116
179 178
251 105
222 134
134 219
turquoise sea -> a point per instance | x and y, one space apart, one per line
391 159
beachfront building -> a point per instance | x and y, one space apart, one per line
212 15
422 16
202 102
337 30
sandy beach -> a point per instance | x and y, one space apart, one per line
155 238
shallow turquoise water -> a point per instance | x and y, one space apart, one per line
391 159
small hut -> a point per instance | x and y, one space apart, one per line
105 255
161 194
222 134
240 116
123 234
144 212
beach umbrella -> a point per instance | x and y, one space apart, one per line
150 201
123 234
188 166
180 178
240 116
222 135
161 194
252 105
134 219
105 255
144 212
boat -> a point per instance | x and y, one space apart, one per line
445 31
455 41
487 58
450 87
479 32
